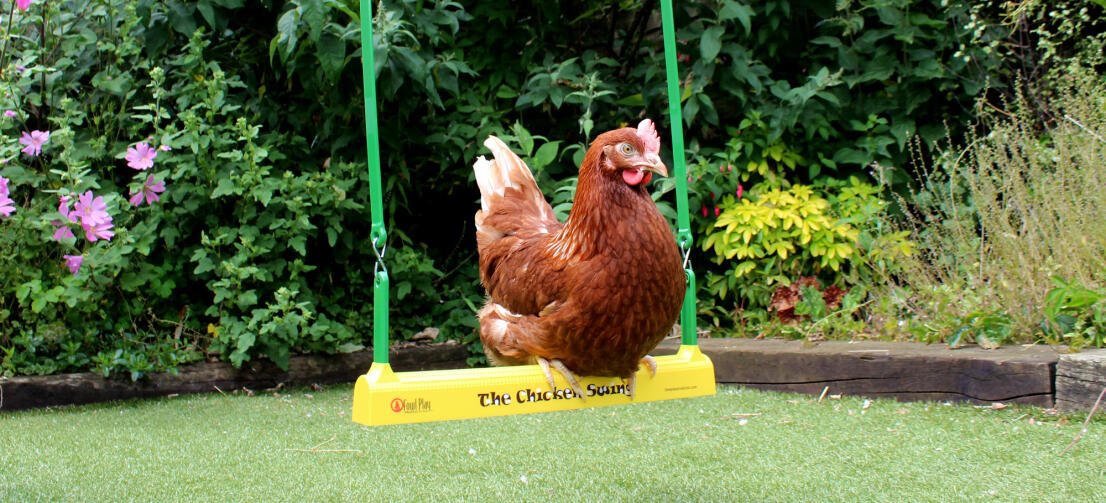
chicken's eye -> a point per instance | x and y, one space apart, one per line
626 148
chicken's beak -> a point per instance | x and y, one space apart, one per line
653 163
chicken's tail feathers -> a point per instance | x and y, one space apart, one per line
510 200
506 170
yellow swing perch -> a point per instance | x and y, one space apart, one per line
382 396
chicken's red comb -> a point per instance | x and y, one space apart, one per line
649 139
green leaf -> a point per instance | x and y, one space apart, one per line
546 154
901 130
182 19
225 187
711 42
314 15
955 341
207 11
707 108
246 299
287 26
279 353
827 40
851 156
298 243
349 347
633 100
331 52
742 12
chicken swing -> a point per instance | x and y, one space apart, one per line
382 396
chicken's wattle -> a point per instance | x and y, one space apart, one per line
636 176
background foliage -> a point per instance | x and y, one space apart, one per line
258 247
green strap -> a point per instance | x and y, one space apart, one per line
378 235
683 222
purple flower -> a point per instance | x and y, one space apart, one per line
94 217
24 5
9 113
99 231
73 262
149 190
141 157
63 207
165 148
90 209
7 206
63 231
34 141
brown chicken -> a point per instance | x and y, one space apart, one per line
591 296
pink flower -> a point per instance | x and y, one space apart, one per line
165 148
63 231
63 207
90 209
740 190
94 217
149 190
7 206
141 157
9 113
99 231
34 141
24 5
73 262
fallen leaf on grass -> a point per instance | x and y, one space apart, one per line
901 411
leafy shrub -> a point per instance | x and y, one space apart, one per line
773 237
230 239
265 183
1011 232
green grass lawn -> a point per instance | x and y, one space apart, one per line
738 445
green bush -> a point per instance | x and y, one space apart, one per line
258 246
1011 230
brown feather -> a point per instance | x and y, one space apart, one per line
598 292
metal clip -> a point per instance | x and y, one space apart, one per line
379 258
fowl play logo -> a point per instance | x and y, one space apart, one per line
410 406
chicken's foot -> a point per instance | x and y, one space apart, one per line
649 362
567 374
